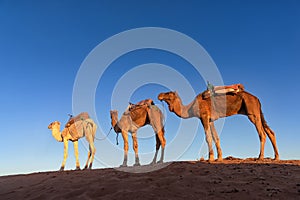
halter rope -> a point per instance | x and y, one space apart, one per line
105 136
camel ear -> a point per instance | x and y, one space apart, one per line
176 92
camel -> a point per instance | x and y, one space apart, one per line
134 118
210 108
74 130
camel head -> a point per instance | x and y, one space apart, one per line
169 98
55 127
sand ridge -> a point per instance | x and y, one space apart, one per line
232 178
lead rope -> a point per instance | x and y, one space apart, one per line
117 138
105 136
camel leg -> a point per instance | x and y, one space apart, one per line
76 154
208 136
65 155
162 140
125 139
89 153
90 130
92 145
92 151
157 148
87 130
261 133
135 148
87 162
271 136
216 140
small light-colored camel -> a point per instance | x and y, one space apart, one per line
81 128
135 118
212 108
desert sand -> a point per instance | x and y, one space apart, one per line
232 178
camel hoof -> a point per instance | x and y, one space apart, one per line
219 159
160 162
61 169
123 165
152 163
137 164
77 168
276 159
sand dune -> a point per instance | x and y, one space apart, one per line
231 179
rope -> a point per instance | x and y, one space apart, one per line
117 138
105 136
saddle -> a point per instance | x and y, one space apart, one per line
82 116
147 102
223 90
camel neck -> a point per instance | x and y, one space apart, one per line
115 125
57 134
117 129
183 111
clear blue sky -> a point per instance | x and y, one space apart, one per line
43 44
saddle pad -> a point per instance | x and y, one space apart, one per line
81 116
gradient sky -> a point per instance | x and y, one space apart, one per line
43 44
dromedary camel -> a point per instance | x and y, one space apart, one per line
74 130
135 117
208 109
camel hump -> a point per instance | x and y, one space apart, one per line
81 116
